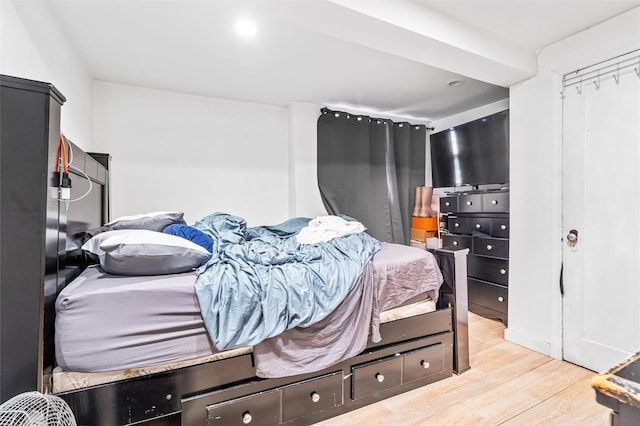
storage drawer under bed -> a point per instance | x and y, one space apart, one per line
257 409
311 396
279 405
376 376
383 374
379 374
422 363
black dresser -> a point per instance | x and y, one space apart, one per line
479 221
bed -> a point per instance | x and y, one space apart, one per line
418 345
136 348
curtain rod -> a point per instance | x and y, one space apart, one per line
324 110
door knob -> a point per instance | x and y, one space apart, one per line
572 238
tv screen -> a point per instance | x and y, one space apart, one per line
474 153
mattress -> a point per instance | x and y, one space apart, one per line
107 323
62 380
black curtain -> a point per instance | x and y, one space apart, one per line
368 168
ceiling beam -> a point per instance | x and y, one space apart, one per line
411 30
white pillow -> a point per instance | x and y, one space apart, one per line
155 221
144 252
93 244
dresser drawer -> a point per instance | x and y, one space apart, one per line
470 203
458 241
489 295
495 247
311 396
458 225
260 409
448 204
423 363
495 202
500 227
376 376
479 224
488 269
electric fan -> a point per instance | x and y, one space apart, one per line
36 409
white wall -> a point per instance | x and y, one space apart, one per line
194 154
535 305
32 46
304 196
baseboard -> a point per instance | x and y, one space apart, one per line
527 341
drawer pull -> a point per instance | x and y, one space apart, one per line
247 418
469 203
478 226
455 243
503 227
315 396
494 202
380 377
500 299
503 271
489 247
456 225
425 364
446 203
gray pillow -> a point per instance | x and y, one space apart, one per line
155 221
144 252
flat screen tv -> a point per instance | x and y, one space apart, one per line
474 153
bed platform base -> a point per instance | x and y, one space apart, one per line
360 381
414 352
214 393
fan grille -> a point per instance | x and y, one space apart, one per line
36 409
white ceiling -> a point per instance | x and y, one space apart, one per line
390 58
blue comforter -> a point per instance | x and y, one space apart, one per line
260 281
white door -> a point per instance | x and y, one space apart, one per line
601 193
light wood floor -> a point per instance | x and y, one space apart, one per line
507 385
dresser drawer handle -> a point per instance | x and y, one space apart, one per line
446 203
494 202
456 225
380 377
503 271
455 243
489 247
315 396
500 299
246 418
425 364
503 227
469 203
478 226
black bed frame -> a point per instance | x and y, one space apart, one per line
414 351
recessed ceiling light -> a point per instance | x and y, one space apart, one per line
246 28
455 82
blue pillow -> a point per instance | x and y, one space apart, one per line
192 234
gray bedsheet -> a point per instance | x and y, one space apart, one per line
396 275
109 322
